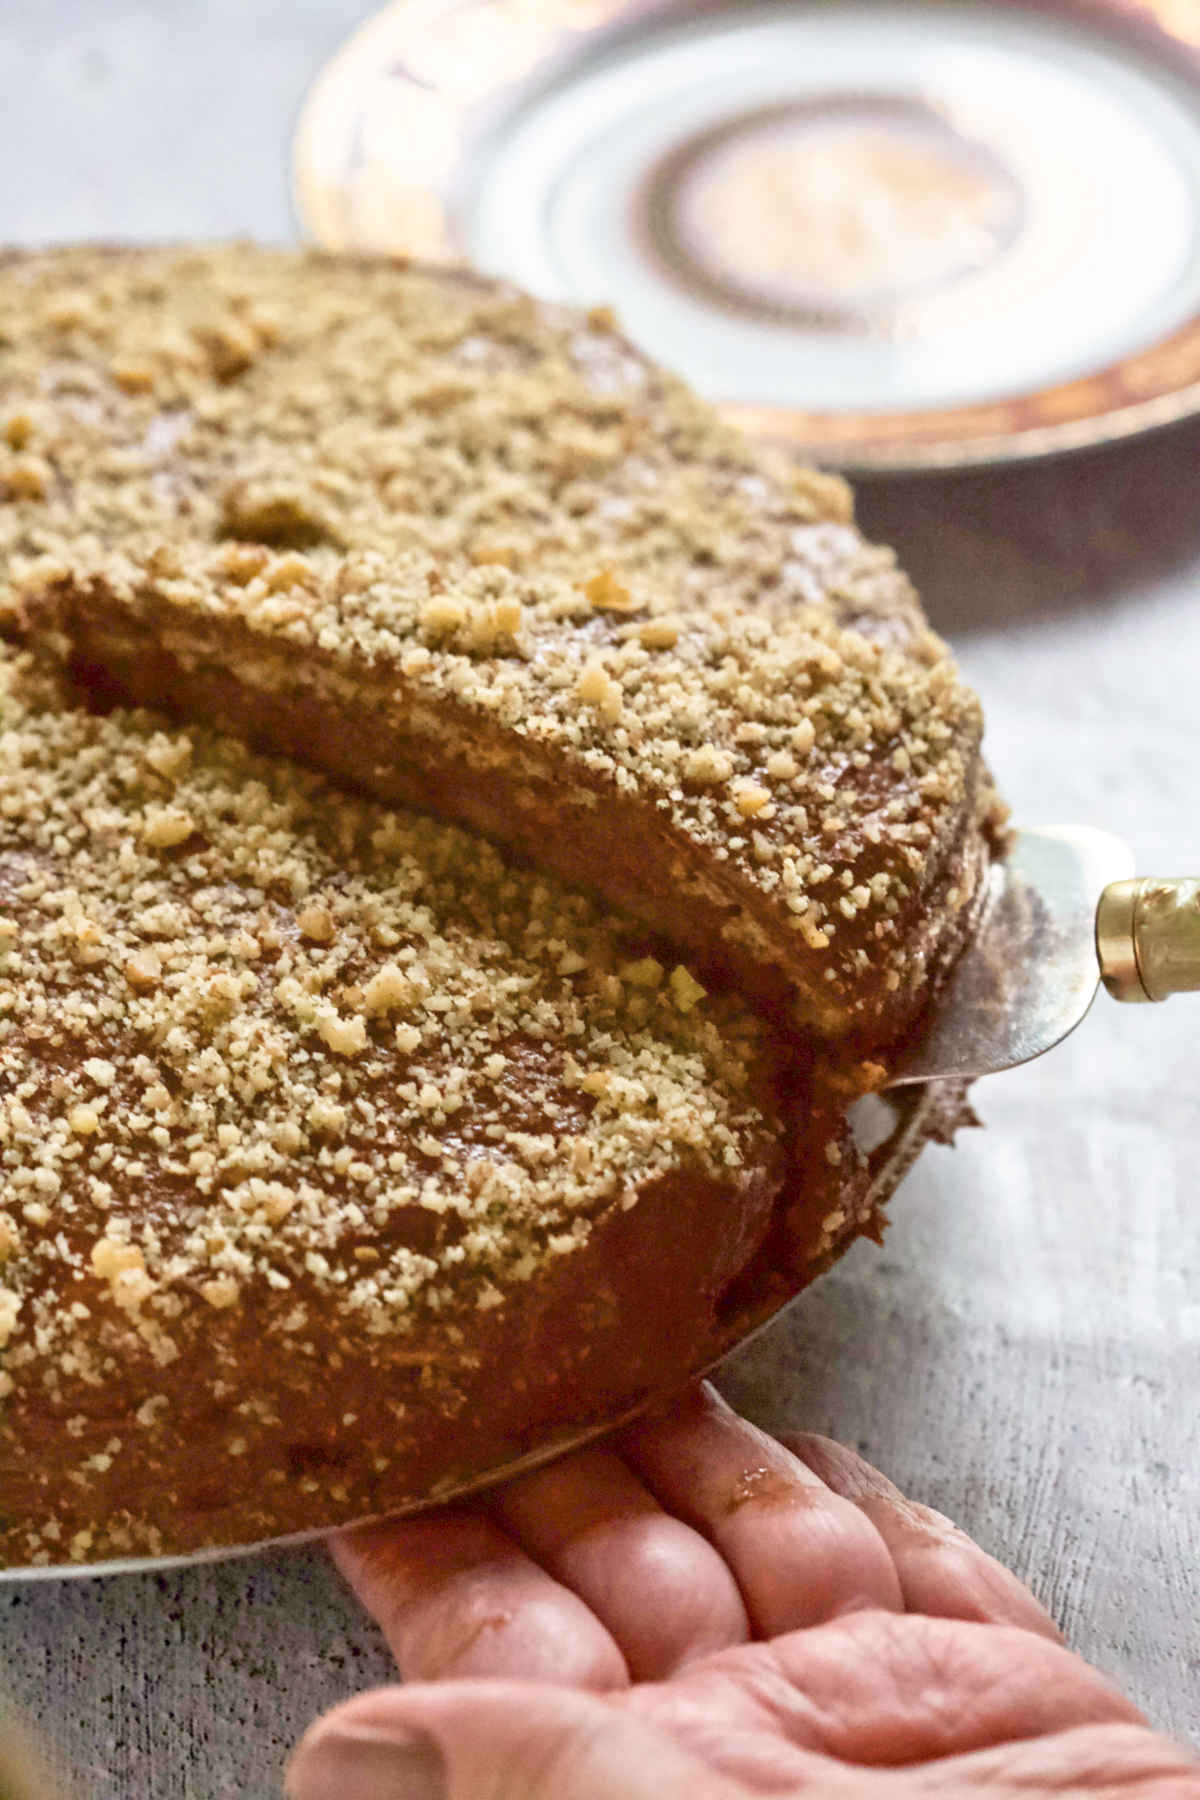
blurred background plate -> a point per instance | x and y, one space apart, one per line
889 234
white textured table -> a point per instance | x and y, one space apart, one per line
1025 1350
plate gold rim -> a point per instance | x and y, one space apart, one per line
1154 387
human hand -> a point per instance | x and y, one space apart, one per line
704 1613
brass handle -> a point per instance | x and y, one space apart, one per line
1148 937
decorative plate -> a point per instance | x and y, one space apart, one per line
882 234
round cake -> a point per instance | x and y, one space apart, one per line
344 1154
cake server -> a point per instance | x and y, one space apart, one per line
1062 914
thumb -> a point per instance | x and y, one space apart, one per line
494 1740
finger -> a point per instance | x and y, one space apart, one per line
1098 1762
492 1740
663 1592
799 1552
941 1571
454 1596
23 1772
887 1690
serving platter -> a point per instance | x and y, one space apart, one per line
893 1129
881 234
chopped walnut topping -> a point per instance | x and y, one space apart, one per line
242 562
132 376
461 552
596 688
442 615
753 801
685 989
18 430
344 1036
829 496
316 923
144 969
707 767
387 989
28 478
607 594
647 972
111 1257
10 1307
327 1116
166 826
661 633
290 571
221 1293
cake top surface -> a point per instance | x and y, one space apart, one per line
507 509
255 1035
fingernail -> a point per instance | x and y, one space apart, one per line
367 1765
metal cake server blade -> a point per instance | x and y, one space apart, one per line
1061 915
1029 974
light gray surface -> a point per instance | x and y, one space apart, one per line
1025 1350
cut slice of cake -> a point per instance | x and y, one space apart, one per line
475 555
339 1159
